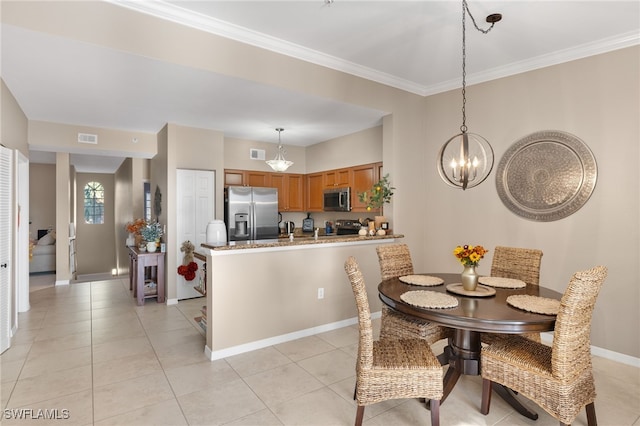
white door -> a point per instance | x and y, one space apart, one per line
21 243
6 233
196 208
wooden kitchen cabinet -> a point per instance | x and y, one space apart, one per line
233 177
246 178
363 178
315 189
337 178
290 191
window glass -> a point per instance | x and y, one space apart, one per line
147 201
94 203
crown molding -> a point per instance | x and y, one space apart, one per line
179 15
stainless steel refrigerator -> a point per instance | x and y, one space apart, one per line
251 213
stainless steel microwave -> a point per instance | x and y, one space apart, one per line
337 199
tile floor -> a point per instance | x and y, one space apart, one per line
87 351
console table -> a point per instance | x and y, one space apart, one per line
139 275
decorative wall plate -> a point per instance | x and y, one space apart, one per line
546 176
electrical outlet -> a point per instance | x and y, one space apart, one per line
320 293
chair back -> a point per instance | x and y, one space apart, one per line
365 347
517 263
571 351
395 260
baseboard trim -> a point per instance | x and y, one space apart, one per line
171 301
62 282
259 344
546 338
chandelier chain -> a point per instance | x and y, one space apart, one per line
463 128
465 10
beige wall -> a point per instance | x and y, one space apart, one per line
596 99
236 155
95 243
187 148
13 123
362 147
46 136
42 197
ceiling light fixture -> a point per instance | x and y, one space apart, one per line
279 164
466 159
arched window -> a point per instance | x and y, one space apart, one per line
94 203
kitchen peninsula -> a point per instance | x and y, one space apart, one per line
267 292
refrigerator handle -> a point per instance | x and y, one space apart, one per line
252 219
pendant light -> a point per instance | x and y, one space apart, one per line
466 159
279 164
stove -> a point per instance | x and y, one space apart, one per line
347 227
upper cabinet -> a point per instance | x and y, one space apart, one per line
315 187
246 178
290 191
337 178
300 193
363 178
359 178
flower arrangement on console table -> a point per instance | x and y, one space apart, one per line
151 233
470 257
380 194
133 228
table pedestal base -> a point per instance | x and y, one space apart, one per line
463 356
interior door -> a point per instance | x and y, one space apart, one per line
196 207
6 192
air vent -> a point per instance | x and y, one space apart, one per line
87 138
256 154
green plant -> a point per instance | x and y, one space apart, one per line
151 231
378 195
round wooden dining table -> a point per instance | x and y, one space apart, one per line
472 317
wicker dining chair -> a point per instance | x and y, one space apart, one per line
395 261
391 368
558 378
520 264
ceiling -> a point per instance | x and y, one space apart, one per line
414 46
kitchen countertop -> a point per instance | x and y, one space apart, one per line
297 241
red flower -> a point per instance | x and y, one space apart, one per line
188 271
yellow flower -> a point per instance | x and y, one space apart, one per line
474 257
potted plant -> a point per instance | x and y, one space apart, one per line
379 195
151 233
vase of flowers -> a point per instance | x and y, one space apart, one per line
469 256
133 228
379 195
151 233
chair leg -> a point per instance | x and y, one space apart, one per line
591 414
359 415
486 396
435 412
355 390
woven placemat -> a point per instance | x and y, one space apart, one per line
423 280
535 304
429 299
501 282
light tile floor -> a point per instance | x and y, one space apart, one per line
89 352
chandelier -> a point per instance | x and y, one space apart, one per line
279 164
466 159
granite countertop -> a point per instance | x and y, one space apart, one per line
298 241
